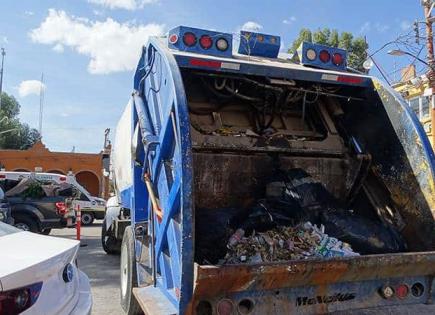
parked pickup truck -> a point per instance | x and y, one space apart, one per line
91 207
207 130
38 206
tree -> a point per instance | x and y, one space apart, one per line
13 133
356 47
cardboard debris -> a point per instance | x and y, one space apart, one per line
284 243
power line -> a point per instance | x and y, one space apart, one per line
3 53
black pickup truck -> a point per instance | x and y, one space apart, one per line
37 206
39 215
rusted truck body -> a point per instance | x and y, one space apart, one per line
198 125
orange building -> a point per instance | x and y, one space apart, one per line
88 168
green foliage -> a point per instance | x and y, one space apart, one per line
13 133
356 47
33 191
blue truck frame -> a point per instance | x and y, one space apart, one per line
164 153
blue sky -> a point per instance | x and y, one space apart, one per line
87 49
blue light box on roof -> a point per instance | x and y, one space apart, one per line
257 44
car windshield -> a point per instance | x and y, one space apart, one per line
6 229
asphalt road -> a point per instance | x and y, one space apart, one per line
102 269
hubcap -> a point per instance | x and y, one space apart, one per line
22 226
86 218
124 270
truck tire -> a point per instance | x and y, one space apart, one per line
46 231
26 223
109 243
87 218
128 274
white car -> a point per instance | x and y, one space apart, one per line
39 275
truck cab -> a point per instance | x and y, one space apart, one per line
205 133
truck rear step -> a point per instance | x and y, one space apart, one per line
153 302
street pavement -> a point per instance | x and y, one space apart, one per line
102 269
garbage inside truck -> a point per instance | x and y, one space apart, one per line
280 158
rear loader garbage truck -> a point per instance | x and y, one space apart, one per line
251 183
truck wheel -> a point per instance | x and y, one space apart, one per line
110 244
46 231
26 223
87 218
128 274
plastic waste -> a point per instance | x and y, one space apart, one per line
365 236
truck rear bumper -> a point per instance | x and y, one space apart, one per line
415 309
334 286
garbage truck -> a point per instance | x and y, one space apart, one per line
216 127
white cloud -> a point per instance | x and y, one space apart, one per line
252 26
111 46
4 40
29 13
30 87
405 25
123 4
378 27
58 48
290 20
382 28
366 27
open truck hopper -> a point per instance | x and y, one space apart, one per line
206 131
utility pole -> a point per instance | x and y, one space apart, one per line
3 52
428 7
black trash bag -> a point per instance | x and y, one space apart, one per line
265 216
364 235
213 228
297 190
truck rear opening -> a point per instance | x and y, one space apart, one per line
245 130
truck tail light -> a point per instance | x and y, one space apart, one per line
324 56
402 291
189 39
173 38
18 300
206 42
311 54
62 178
225 307
387 292
222 44
246 306
337 59
61 208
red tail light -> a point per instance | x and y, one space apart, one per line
62 178
18 300
2 176
61 208
189 39
173 38
402 291
206 42
337 59
324 56
225 307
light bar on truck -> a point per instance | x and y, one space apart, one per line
201 41
322 56
258 44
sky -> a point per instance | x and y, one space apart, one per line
88 49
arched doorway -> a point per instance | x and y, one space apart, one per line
21 170
90 181
56 172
